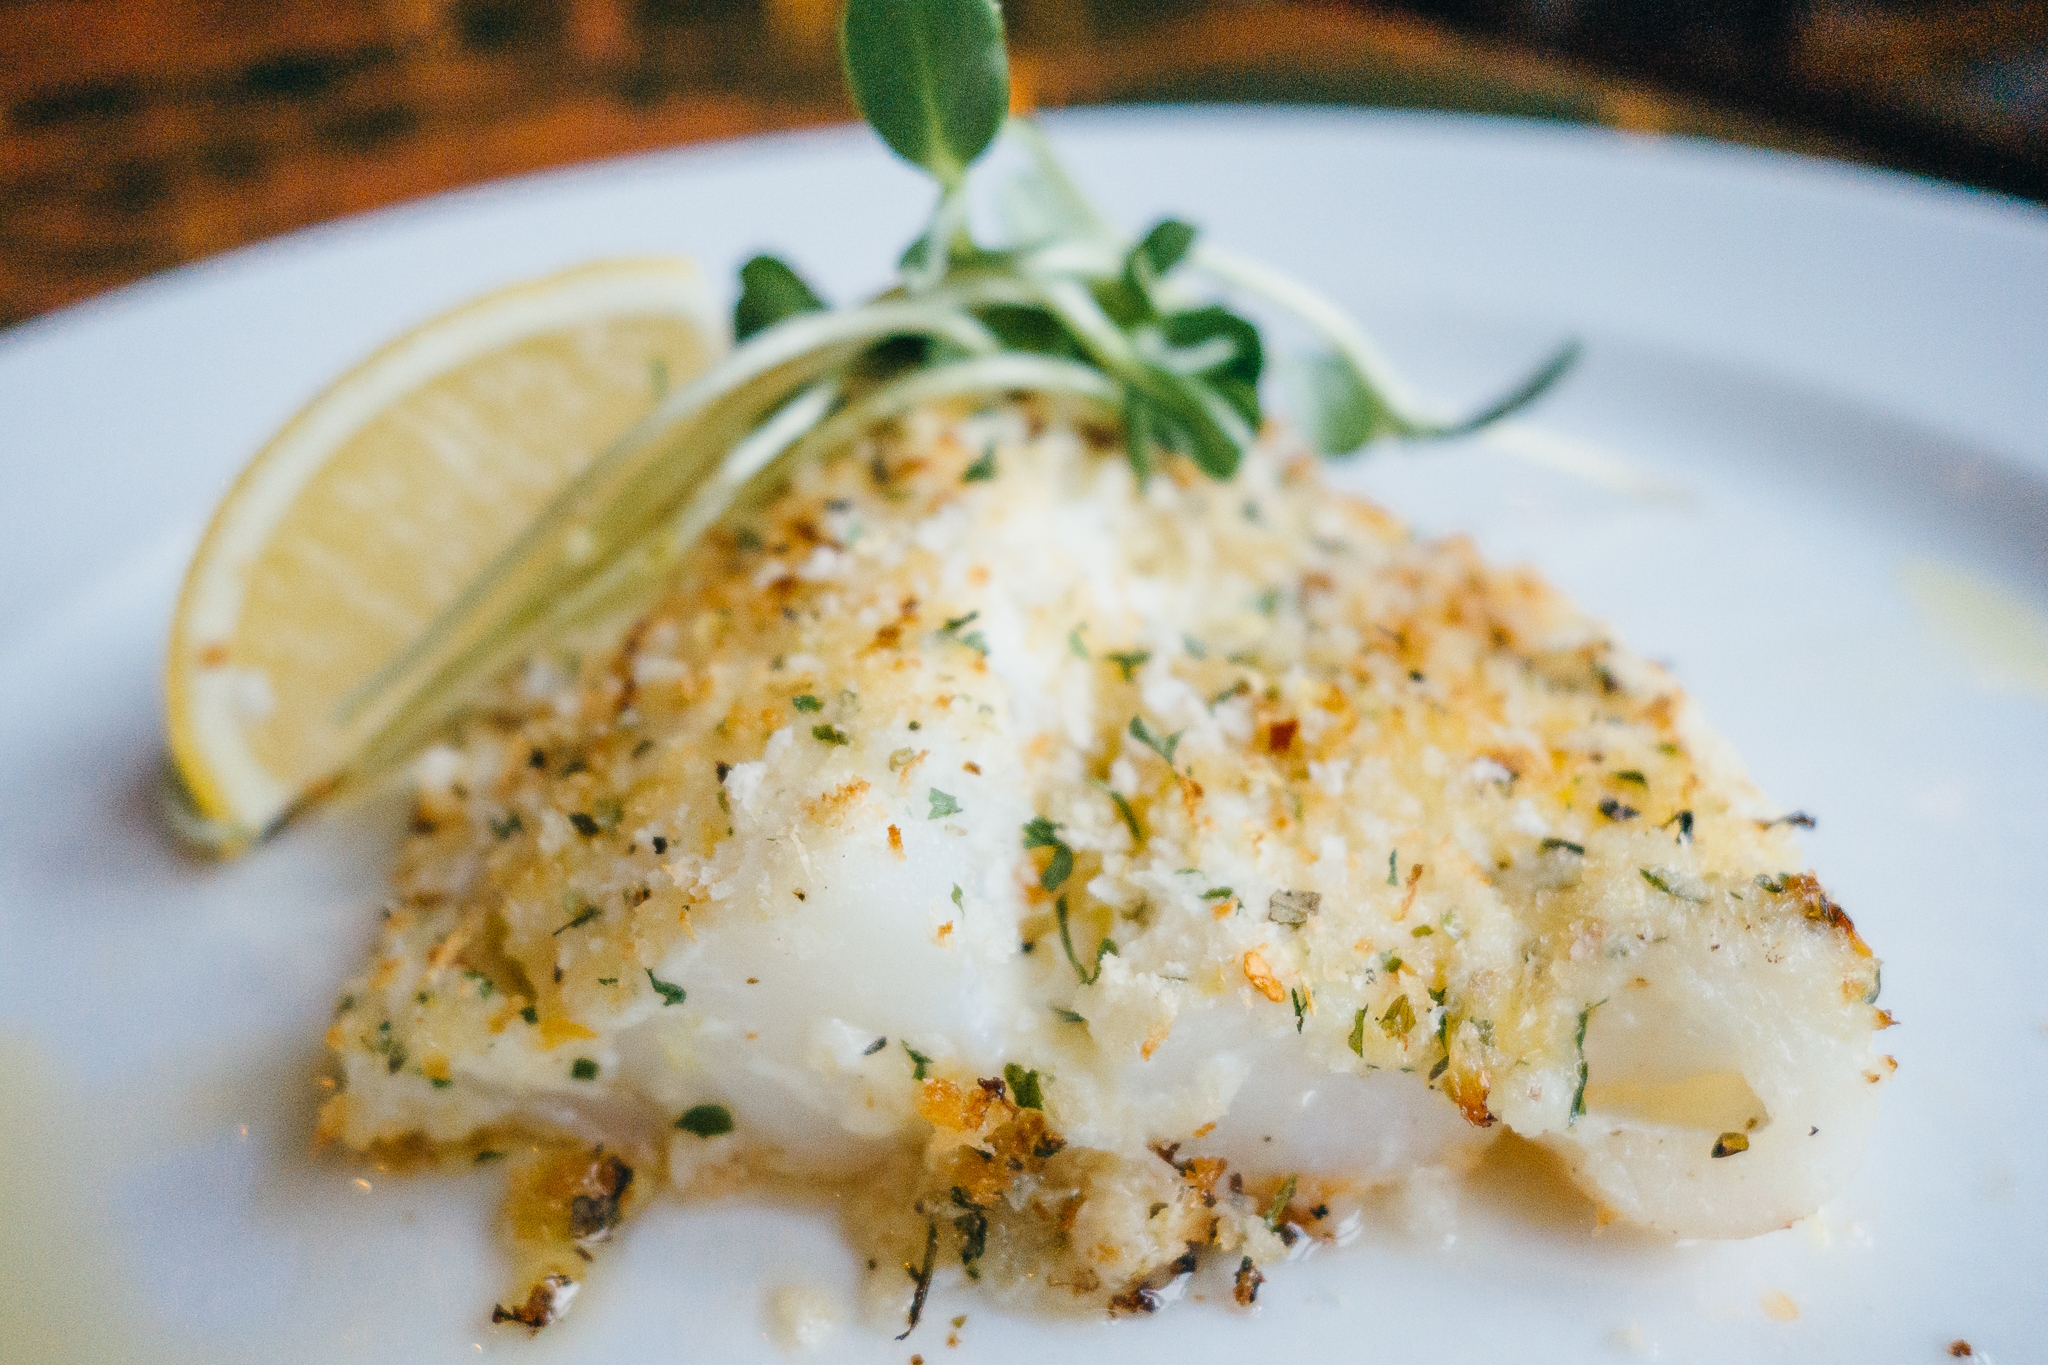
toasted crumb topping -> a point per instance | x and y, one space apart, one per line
1109 810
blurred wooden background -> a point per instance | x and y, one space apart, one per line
143 134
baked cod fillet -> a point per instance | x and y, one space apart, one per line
1100 878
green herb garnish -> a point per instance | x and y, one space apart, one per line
1088 976
670 994
982 470
583 1069
1023 1086
1578 1110
1128 660
706 1120
1163 745
1123 808
942 805
1281 1199
829 734
1146 333
918 1062
1042 833
807 702
581 918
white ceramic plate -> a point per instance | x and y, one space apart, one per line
1830 388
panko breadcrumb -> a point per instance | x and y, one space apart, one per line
1098 879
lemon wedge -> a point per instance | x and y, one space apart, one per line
382 499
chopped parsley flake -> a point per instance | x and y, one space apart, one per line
582 917
943 804
1578 1110
829 734
583 1069
1632 775
670 994
1567 845
1023 1086
506 827
1079 650
586 825
973 639
1357 1039
1399 1018
1393 868
706 1120
982 470
530 1015
1218 893
807 702
1164 746
1123 808
1281 1199
1042 833
1236 689
1067 1016
918 1062
959 902
1103 949
1128 660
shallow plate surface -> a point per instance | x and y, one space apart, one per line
1806 462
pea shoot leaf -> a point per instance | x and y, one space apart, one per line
1161 249
769 292
932 77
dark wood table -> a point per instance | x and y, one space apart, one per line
144 134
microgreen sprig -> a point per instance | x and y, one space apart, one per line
1068 307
